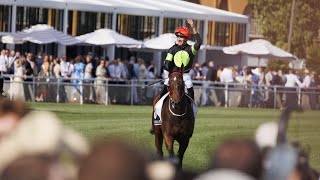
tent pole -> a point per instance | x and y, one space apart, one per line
157 56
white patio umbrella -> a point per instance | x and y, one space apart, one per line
40 34
162 42
259 48
104 37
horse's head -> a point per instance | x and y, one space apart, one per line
176 85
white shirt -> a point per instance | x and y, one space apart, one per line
3 63
268 78
292 80
226 75
64 66
306 81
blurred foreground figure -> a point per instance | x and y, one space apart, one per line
34 168
280 163
224 174
39 140
11 113
113 161
240 155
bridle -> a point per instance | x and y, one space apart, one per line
179 73
172 102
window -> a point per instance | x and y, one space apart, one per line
137 27
5 18
171 24
225 34
81 22
29 16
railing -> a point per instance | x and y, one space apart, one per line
131 92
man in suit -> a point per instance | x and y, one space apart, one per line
28 72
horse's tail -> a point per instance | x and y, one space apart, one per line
151 131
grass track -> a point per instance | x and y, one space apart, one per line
213 125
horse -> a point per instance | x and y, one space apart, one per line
177 119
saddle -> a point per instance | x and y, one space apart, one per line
159 104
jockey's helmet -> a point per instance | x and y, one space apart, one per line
184 31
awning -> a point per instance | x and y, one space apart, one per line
165 8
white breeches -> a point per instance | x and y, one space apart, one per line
186 78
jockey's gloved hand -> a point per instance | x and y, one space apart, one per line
168 65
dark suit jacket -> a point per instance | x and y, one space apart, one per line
29 71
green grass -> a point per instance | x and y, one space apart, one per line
213 126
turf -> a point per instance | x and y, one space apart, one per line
213 126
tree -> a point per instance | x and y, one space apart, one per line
313 58
278 64
274 16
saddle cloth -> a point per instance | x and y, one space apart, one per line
158 108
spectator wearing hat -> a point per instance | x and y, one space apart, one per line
256 78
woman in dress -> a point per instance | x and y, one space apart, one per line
43 78
78 73
17 86
88 91
100 81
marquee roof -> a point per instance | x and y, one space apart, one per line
165 8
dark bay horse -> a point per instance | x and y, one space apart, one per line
177 118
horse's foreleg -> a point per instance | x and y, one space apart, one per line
182 149
169 144
158 140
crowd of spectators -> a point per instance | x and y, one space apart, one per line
34 145
259 81
89 70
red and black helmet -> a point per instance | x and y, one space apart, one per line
183 30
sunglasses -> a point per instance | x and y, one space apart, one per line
181 36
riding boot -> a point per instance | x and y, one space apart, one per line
164 91
191 93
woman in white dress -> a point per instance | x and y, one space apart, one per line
100 81
17 86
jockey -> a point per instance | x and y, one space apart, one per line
182 53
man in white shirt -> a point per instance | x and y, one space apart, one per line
291 91
64 65
226 75
307 79
3 70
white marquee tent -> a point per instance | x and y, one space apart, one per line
162 42
103 37
40 34
259 48
165 8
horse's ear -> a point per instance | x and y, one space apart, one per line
182 68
